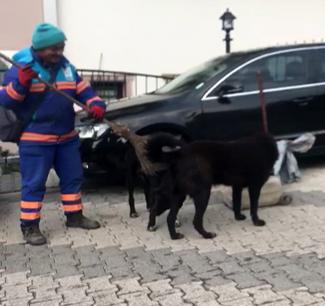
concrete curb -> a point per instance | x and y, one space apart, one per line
11 182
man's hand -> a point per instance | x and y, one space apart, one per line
25 76
97 112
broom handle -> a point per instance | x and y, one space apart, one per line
262 102
113 125
84 107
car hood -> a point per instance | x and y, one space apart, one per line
136 101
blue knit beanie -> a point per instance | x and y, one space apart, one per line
46 35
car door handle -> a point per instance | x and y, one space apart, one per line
303 100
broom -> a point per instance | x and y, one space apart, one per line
138 142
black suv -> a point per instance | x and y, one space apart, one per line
219 100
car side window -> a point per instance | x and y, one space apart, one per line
318 62
286 69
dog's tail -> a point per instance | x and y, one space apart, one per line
270 146
164 148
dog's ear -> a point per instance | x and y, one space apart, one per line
168 149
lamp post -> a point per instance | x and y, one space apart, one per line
227 25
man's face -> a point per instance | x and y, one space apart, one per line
52 54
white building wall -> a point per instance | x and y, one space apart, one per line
170 36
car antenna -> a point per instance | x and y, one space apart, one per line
262 102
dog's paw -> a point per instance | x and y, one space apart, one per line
177 236
134 215
209 235
240 217
259 222
178 223
152 228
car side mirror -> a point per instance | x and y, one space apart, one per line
225 89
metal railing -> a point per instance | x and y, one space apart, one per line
112 85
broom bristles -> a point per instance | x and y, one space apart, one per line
139 144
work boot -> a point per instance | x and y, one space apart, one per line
32 234
79 220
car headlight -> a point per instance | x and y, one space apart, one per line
92 131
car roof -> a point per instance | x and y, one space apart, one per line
259 51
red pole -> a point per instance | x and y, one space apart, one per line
262 102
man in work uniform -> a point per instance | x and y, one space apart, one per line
48 139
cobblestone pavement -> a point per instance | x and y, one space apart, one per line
121 263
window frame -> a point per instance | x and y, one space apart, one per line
207 97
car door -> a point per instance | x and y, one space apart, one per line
232 107
317 124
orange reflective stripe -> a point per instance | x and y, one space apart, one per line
38 137
71 197
46 138
29 216
34 205
14 94
69 135
66 85
37 87
81 86
70 208
89 101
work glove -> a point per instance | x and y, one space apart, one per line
97 112
25 76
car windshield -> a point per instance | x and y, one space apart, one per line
195 78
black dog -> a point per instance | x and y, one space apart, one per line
133 172
151 183
195 167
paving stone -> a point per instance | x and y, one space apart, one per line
228 292
62 249
195 293
40 268
46 303
204 276
241 302
65 270
73 281
92 271
17 292
107 297
314 283
99 284
245 280
260 266
139 299
231 267
264 294
218 256
301 296
278 279
181 275
16 302
46 294
159 288
120 273
75 296
172 299
246 258
129 286
217 281
278 259
64 259
19 278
